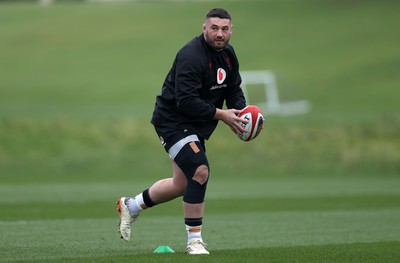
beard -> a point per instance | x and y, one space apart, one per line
217 43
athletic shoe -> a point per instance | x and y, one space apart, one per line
196 247
126 219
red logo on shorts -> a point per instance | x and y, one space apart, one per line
162 141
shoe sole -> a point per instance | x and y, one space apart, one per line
122 199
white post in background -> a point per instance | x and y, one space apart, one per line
272 105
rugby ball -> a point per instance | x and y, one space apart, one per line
254 125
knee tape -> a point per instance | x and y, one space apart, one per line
189 158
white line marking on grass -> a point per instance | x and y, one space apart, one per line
18 222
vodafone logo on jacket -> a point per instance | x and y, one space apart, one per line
221 75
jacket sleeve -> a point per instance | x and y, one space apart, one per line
188 82
234 96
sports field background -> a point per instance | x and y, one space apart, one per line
77 87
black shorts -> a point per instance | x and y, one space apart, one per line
174 139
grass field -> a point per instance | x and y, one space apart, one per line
77 89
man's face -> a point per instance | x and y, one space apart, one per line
217 32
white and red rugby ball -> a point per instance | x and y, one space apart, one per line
254 125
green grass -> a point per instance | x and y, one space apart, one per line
278 220
78 221
77 89
371 252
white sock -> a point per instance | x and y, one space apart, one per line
193 232
136 205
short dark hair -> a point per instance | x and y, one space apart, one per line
220 13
